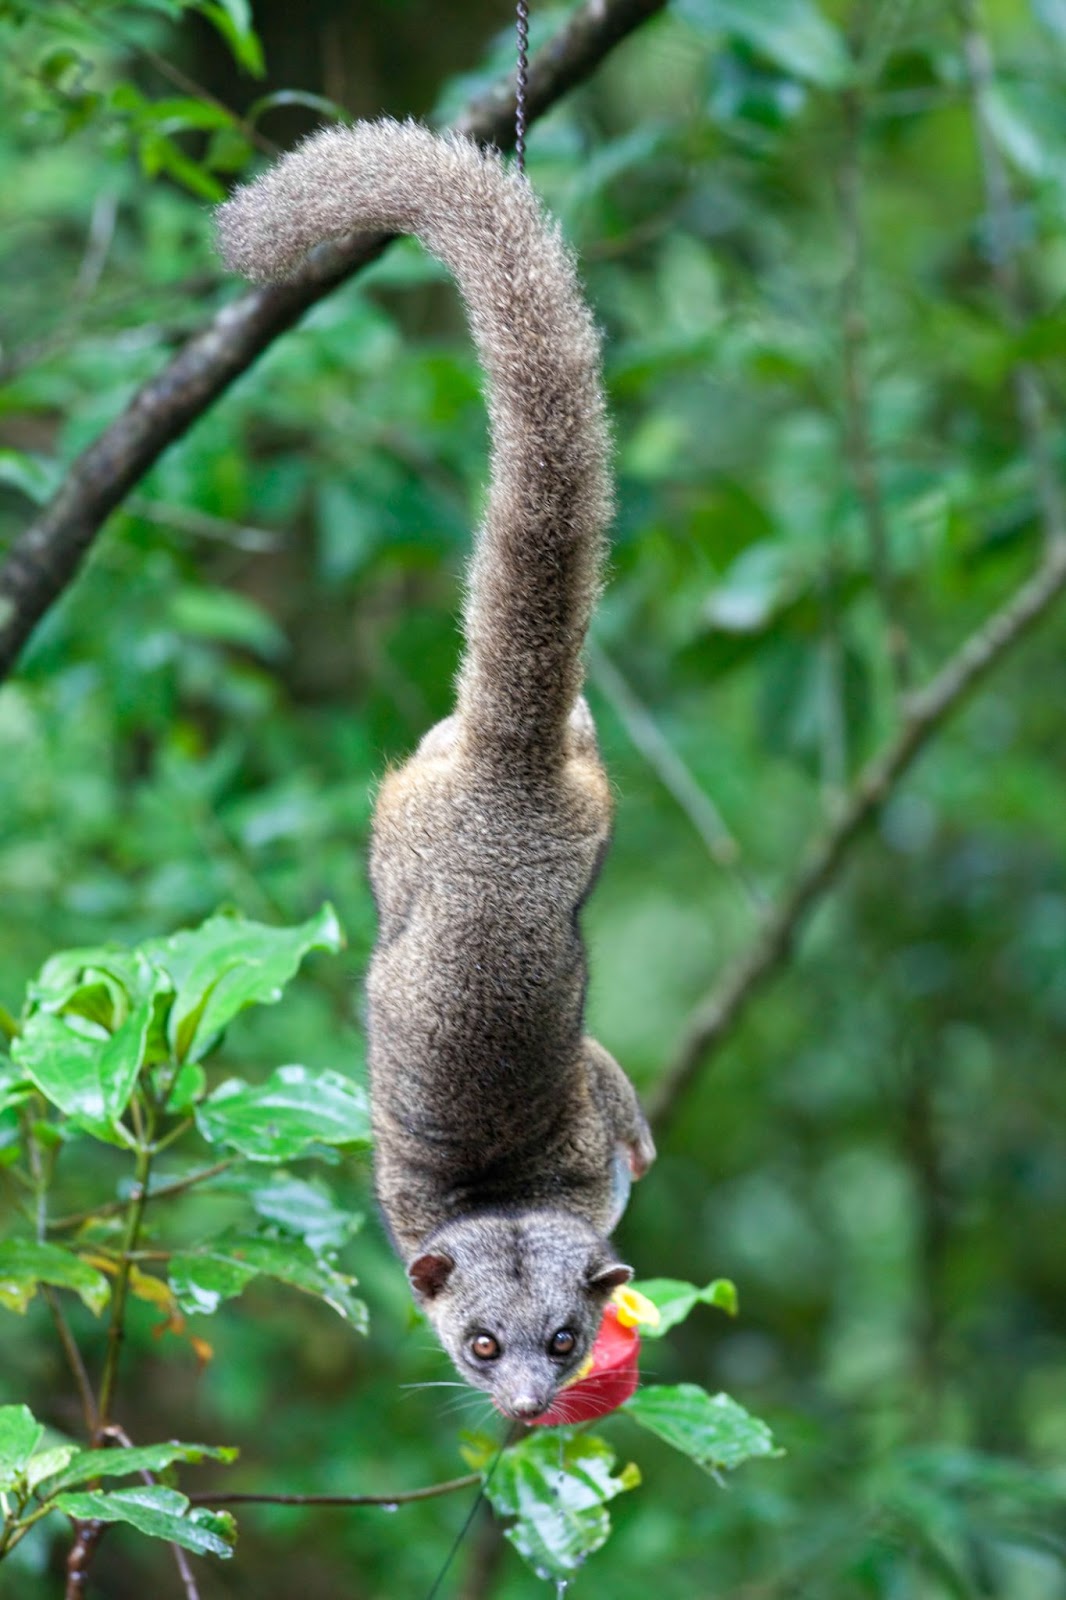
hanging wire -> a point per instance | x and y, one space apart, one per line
478 1501
521 84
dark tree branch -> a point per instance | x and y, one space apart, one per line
924 713
47 555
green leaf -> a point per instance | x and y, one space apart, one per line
159 153
158 1512
675 1299
712 1430
229 617
99 982
20 1434
792 33
176 113
188 1088
33 476
15 1087
202 1279
24 1265
287 1115
83 1466
753 592
233 19
556 1486
306 1210
81 1068
229 963
295 97
46 1463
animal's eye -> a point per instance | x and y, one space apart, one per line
561 1342
484 1347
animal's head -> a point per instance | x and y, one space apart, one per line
516 1300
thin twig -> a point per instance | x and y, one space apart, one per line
181 1560
185 1572
116 1332
431 1492
74 1358
160 1192
924 713
1003 262
669 767
46 556
40 1175
202 525
97 245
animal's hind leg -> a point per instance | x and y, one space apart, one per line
441 739
613 1091
581 731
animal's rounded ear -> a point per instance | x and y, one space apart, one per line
429 1274
607 1276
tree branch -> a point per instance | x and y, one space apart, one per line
47 555
431 1492
673 773
924 713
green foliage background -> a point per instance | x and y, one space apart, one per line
878 1155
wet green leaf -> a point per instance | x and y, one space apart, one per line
712 1430
83 1466
20 1434
203 1279
24 1265
556 1486
229 963
305 1209
81 1068
47 1463
158 1512
286 1116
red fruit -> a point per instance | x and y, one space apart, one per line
606 1383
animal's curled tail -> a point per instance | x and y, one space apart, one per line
536 569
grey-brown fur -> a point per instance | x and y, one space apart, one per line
505 1138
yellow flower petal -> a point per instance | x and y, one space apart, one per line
635 1310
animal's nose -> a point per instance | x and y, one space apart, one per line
525 1406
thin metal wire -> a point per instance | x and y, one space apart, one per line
472 1513
521 83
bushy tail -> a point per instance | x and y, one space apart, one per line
535 571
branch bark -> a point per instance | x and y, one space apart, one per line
47 555
401 1498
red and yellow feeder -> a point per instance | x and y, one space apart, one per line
610 1375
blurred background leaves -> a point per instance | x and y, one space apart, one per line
783 216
